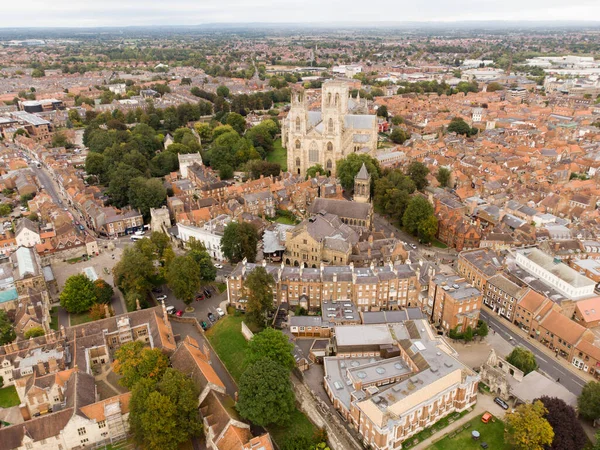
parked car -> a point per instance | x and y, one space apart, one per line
171 309
199 297
211 317
413 246
207 292
179 313
160 298
486 417
219 266
204 325
220 312
139 233
501 402
81 227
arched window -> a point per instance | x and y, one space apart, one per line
298 161
329 99
297 123
330 126
337 99
329 147
313 153
329 164
297 144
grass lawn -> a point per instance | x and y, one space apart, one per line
9 397
438 244
229 343
222 287
285 220
78 319
492 433
54 318
278 155
437 428
299 425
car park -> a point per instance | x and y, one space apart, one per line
501 402
211 317
160 298
220 312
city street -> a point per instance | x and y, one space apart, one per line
547 363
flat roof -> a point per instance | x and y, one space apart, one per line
363 335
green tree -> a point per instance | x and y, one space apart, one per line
134 362
271 344
443 176
494 86
78 295
134 273
183 277
418 210
459 126
427 229
120 180
161 243
103 291
382 111
265 394
399 136
527 427
60 140
94 163
588 401
37 73
348 167
522 359
223 91
208 271
312 171
259 292
163 163
34 332
417 171
145 194
239 241
397 120
5 209
237 122
164 415
482 328
568 432
7 332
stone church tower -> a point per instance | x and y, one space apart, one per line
362 185
326 136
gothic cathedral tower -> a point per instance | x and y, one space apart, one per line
362 185
293 137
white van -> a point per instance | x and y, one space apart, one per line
171 309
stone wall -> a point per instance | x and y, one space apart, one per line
248 334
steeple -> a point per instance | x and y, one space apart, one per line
362 185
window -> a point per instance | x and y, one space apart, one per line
297 145
81 431
102 424
329 147
313 153
329 165
84 441
297 123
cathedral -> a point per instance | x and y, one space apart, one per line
324 137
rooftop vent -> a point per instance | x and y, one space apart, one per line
361 375
380 370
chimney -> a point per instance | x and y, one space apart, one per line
52 365
63 332
30 309
106 310
370 239
351 267
25 412
41 369
369 253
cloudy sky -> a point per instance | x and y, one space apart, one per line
83 13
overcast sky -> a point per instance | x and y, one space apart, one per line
86 13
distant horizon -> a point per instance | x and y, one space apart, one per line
128 13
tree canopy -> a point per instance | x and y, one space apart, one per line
588 401
568 432
459 126
399 135
417 171
103 291
239 241
443 176
527 427
392 194
417 211
522 359
259 291
265 393
134 362
347 168
271 344
183 277
7 331
78 295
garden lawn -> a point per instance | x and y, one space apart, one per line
299 425
226 338
278 155
9 397
438 244
492 433
78 319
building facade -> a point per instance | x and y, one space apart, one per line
324 137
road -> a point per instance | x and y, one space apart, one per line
547 363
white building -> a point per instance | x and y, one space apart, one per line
209 234
552 271
27 234
187 160
346 71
